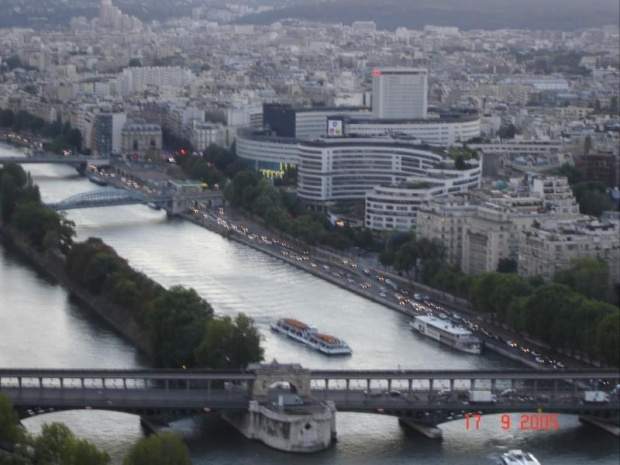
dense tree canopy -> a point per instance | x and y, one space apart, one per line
45 229
507 265
63 136
592 197
491 293
16 187
9 431
229 343
587 276
564 319
176 323
280 210
159 449
56 445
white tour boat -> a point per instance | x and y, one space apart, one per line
310 336
518 457
445 332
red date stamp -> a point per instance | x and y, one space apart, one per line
524 422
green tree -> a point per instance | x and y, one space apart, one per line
59 144
9 420
81 452
460 163
135 63
543 307
56 445
74 139
507 265
608 338
35 221
176 322
387 257
572 172
587 276
51 445
229 343
507 131
592 197
406 257
80 256
590 313
99 268
159 449
492 292
9 196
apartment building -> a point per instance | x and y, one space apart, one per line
549 246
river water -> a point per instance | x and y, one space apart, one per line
41 326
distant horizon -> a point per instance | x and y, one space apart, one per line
555 15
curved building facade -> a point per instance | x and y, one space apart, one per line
447 130
395 206
394 176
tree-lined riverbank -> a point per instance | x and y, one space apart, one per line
176 327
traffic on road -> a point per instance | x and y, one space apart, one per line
370 282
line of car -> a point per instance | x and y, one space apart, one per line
420 303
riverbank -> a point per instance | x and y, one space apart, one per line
454 304
112 314
253 244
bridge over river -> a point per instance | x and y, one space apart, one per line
421 399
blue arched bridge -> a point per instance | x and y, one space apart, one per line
113 196
422 399
107 197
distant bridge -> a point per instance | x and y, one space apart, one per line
412 396
49 158
113 196
106 197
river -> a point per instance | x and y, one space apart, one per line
41 326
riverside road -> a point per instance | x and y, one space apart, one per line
43 327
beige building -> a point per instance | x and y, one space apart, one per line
477 235
140 138
443 219
550 246
484 226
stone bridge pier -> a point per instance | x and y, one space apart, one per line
283 414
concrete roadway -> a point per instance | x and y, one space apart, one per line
353 400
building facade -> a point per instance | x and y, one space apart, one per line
483 227
446 130
141 138
399 93
205 134
550 246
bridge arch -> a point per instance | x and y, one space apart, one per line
100 198
272 374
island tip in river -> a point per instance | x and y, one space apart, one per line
310 336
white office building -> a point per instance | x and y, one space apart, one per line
393 175
139 79
445 131
399 93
